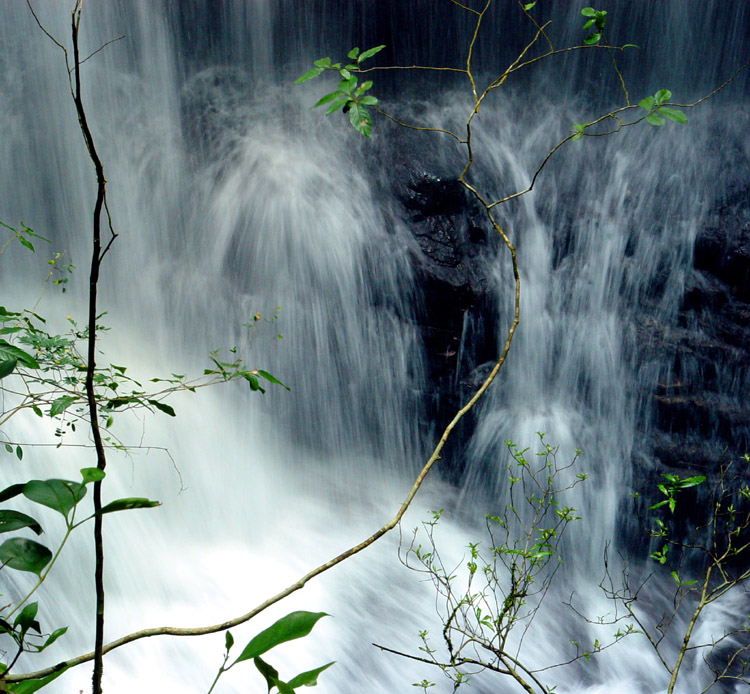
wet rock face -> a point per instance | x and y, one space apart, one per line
451 262
701 408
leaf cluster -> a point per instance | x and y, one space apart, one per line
295 625
349 96
490 600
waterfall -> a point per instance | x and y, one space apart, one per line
232 198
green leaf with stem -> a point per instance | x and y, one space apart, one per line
295 625
369 53
56 634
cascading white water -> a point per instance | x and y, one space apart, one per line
231 198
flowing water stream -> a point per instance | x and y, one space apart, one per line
232 198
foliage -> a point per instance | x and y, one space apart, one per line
349 96
488 603
709 564
295 625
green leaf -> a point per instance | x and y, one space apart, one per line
56 634
588 12
31 686
8 351
254 385
15 520
360 119
162 407
270 674
345 74
368 100
295 625
309 678
370 52
592 39
24 555
14 489
270 378
630 45
59 495
61 404
128 504
26 618
309 75
228 641
327 98
336 105
673 114
575 137
654 119
647 104
92 474
690 481
591 22
322 63
6 367
662 95
19 453
526 8
25 243
353 53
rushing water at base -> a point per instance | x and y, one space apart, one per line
232 198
